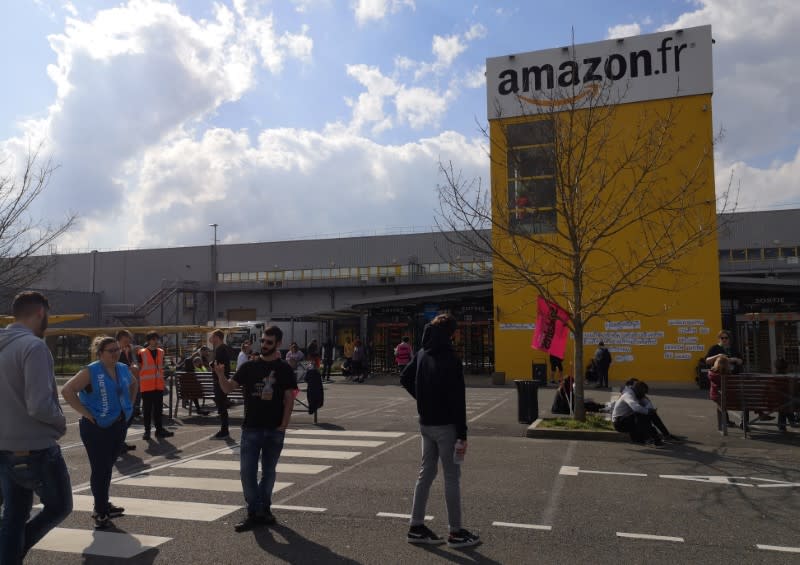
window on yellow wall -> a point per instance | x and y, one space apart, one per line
531 176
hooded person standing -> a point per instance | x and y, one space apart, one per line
435 378
31 422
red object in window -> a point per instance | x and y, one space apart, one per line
522 202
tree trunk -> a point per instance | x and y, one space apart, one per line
580 411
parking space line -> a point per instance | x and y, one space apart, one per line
482 414
298 508
778 548
649 537
523 526
574 471
393 515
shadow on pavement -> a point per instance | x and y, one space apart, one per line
296 548
145 558
464 556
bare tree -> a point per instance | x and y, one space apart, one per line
615 197
24 240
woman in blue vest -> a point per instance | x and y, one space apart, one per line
101 393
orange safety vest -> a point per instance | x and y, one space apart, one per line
151 374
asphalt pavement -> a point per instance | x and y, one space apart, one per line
345 486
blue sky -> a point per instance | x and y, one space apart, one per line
293 118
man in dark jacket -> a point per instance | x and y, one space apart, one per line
435 377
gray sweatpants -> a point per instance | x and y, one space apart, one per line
438 442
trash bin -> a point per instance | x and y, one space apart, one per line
527 401
539 373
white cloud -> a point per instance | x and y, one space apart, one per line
476 78
624 30
304 6
447 49
137 76
420 107
369 107
755 81
288 183
369 10
758 187
477 31
298 45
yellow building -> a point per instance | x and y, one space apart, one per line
602 163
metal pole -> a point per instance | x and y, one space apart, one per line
214 274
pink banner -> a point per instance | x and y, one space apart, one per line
551 330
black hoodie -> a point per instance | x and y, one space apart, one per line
435 377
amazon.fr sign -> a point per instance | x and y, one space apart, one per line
644 67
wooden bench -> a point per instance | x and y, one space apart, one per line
200 386
757 393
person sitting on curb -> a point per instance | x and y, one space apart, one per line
632 417
658 423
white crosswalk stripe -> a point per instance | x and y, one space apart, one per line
233 465
332 442
191 483
306 453
109 544
175 510
350 433
92 542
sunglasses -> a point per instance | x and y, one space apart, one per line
268 341
725 337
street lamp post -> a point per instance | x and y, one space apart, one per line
214 274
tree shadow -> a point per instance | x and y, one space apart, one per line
296 548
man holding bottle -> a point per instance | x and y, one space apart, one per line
435 378
268 384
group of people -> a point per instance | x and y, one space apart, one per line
104 393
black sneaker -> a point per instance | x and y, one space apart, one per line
222 434
422 535
146 436
462 538
115 511
101 521
164 433
250 522
128 447
269 518
677 439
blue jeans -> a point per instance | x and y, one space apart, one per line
45 473
265 445
102 446
438 443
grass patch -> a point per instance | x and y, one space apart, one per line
593 422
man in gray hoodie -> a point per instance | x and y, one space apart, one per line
31 422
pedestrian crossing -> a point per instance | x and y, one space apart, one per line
156 493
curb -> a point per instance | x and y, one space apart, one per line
583 435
